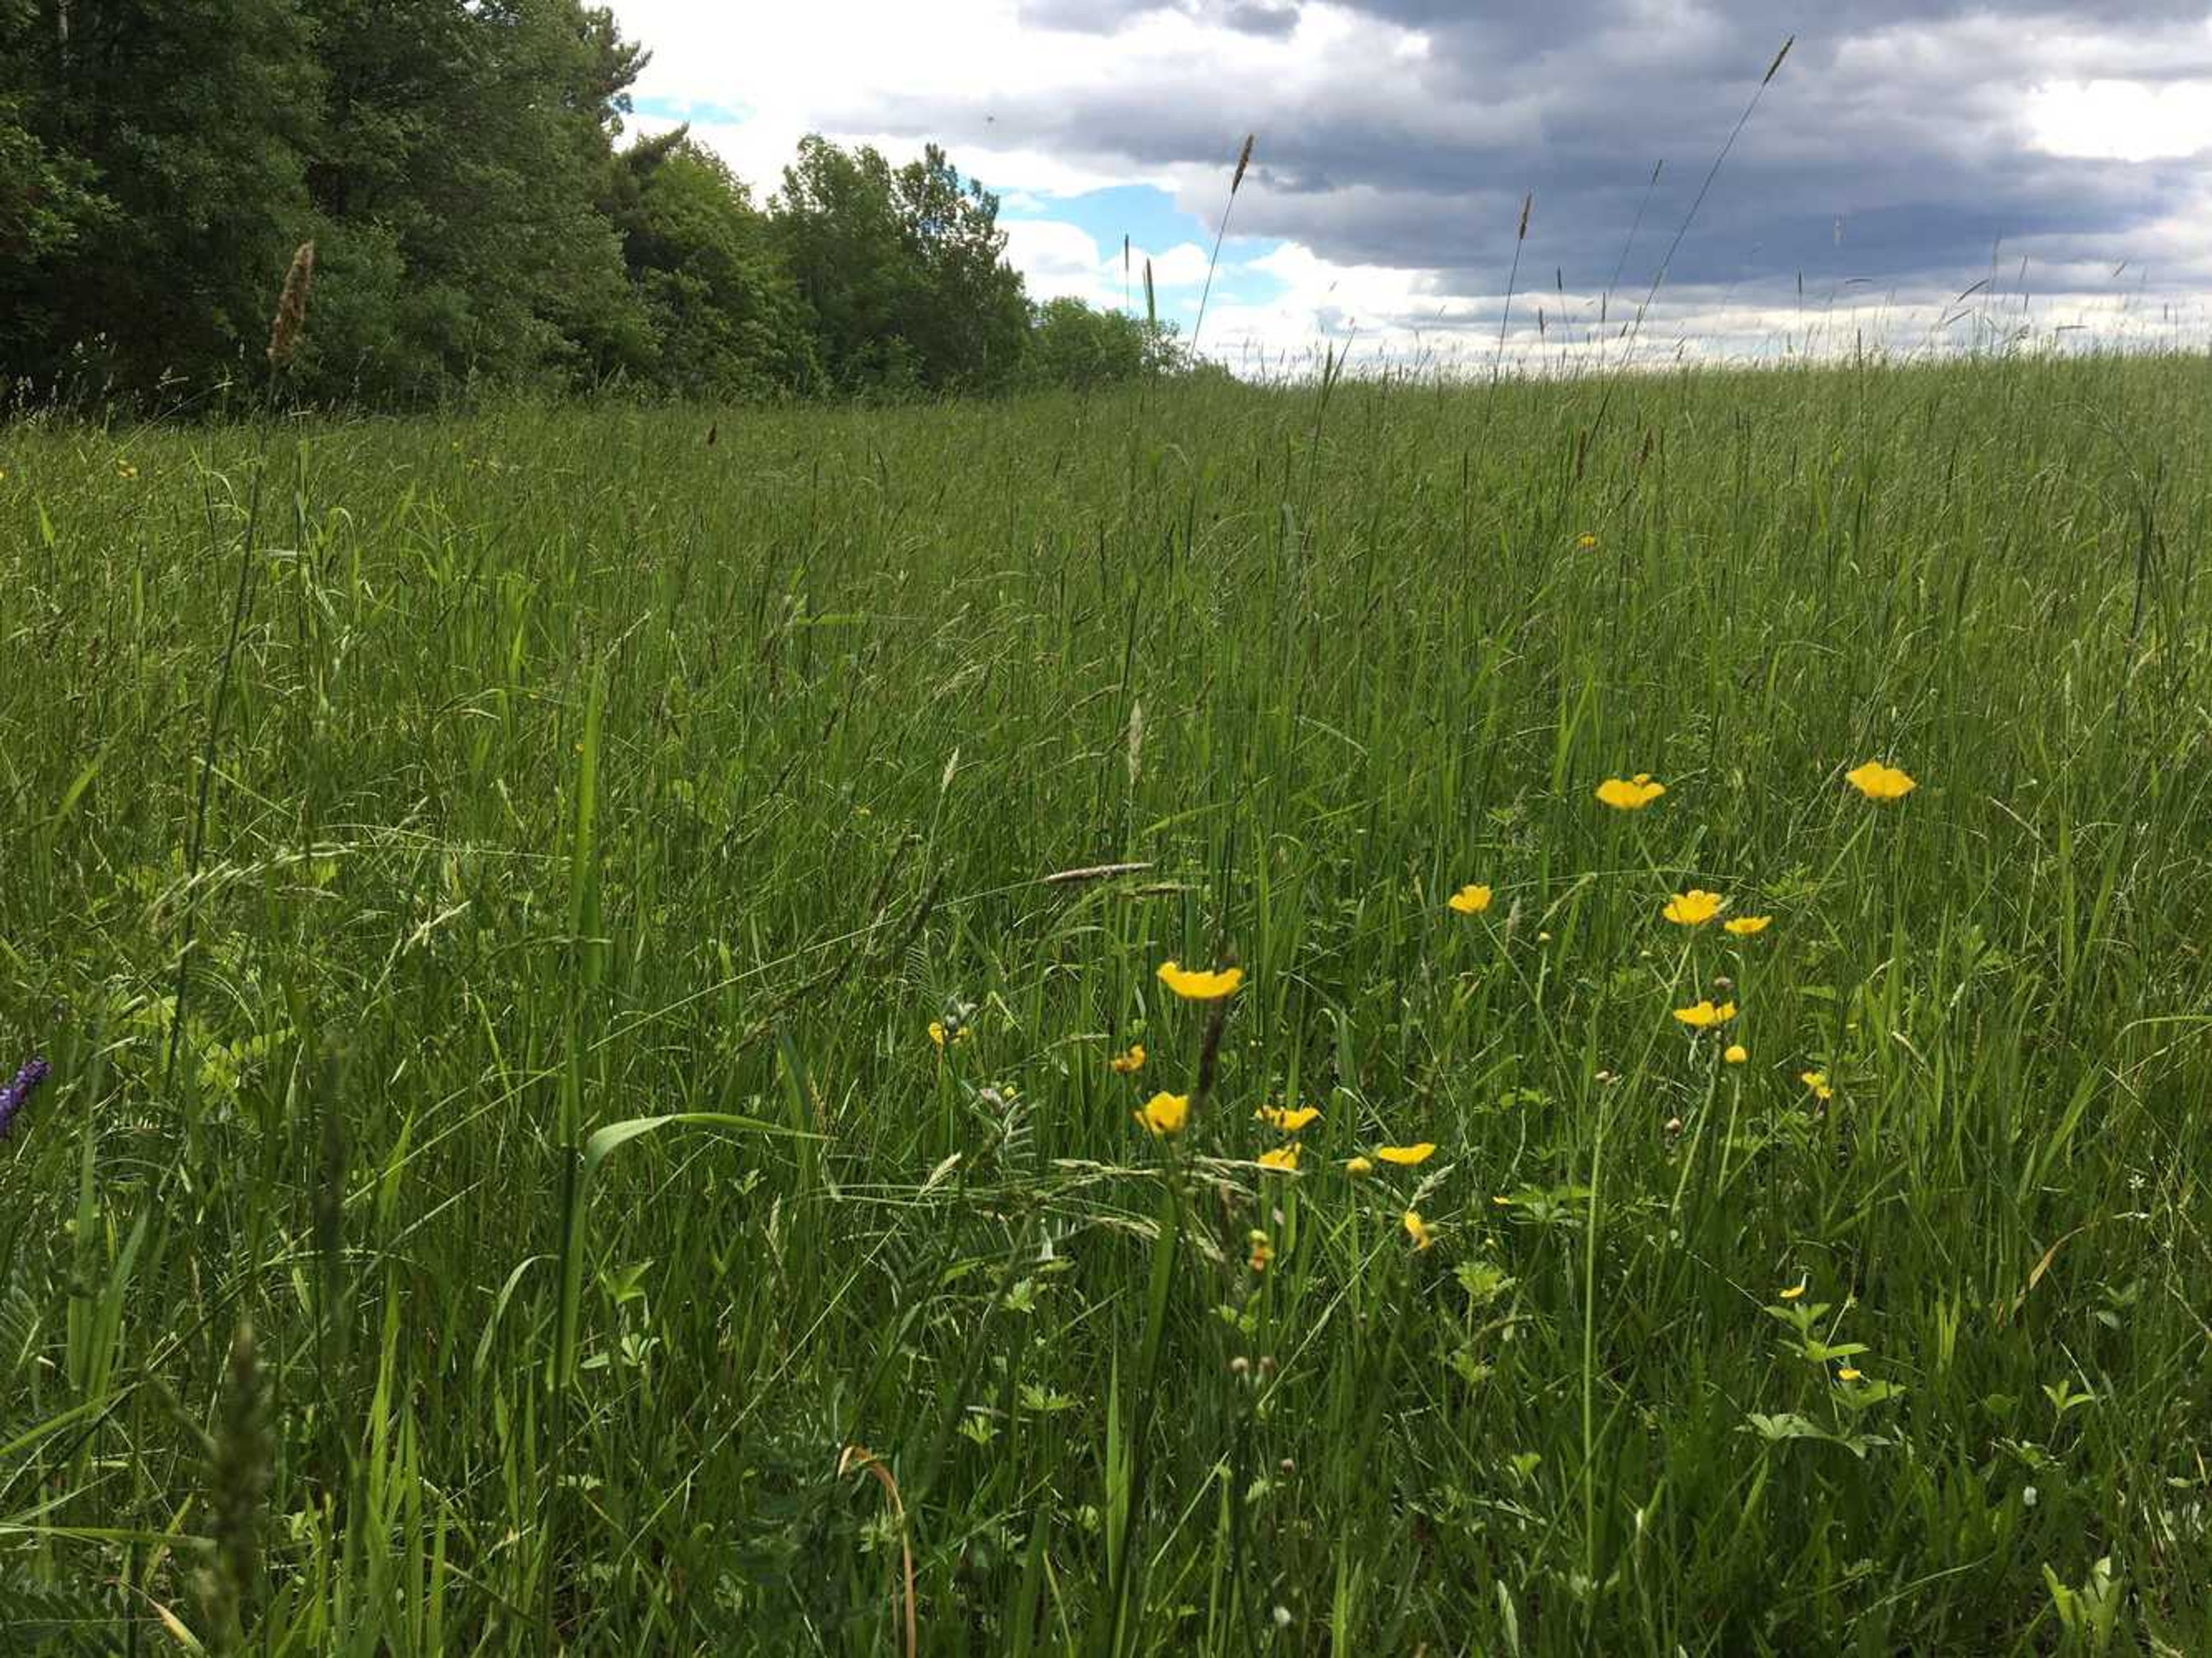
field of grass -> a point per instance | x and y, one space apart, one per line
486 886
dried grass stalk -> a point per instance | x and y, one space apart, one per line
291 323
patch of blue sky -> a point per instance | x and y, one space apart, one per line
1148 215
704 111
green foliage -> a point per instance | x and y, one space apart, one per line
726 315
600 818
1074 346
65 1617
475 226
461 154
902 268
177 273
45 207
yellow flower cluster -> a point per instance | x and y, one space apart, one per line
1874 779
1165 1115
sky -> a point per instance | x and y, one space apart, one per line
1916 177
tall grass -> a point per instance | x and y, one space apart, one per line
601 818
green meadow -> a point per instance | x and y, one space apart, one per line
486 884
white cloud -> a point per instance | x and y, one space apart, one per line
2121 120
831 66
1183 265
1057 258
1396 137
838 66
1325 303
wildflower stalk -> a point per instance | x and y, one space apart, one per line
1235 182
858 1458
334 1325
290 325
1120 1625
239 1475
585 966
1512 279
1209 1055
286 331
195 846
1589 1360
17 1093
1659 276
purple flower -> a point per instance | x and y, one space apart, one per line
14 1095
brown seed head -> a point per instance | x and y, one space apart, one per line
291 323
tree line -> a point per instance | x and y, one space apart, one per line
477 222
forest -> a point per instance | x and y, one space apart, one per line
481 218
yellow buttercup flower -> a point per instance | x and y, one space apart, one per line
1849 1373
1793 1292
1406 1156
1737 1054
1131 1062
948 1036
1289 1120
1705 1015
1420 1231
1817 1082
1630 794
1285 1157
1164 1114
1194 986
1586 543
1879 782
1745 925
1694 907
1470 901
1357 1167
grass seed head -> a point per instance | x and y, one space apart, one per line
290 326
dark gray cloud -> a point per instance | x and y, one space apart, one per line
1905 122
1271 17
1261 16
